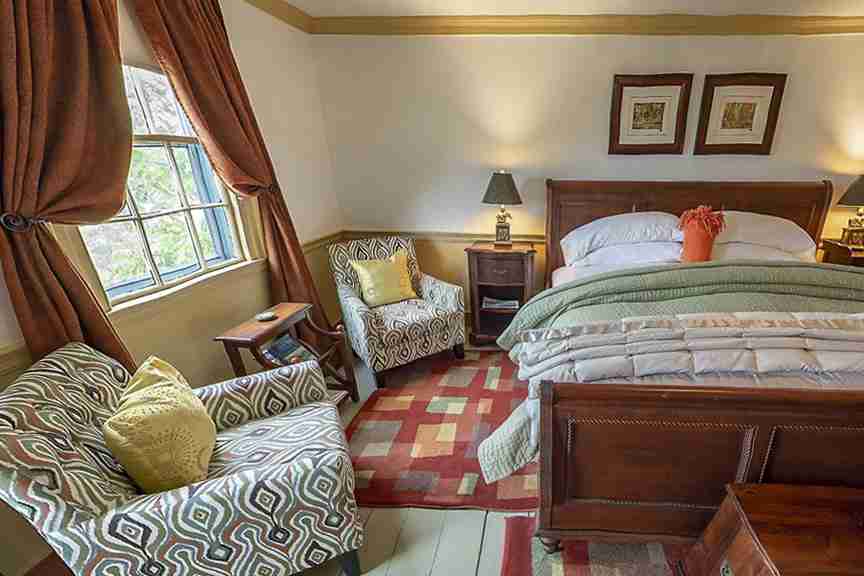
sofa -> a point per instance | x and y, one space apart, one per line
279 497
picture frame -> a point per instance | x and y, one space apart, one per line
739 113
649 113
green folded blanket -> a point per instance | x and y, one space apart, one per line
728 286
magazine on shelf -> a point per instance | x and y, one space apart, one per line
496 304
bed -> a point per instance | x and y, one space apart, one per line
648 458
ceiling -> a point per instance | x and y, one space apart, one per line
325 8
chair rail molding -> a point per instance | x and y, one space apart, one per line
565 24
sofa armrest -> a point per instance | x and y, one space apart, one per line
235 402
361 322
447 296
196 529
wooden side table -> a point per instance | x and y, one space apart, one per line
502 274
776 530
836 252
254 334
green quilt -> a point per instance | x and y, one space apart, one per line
729 286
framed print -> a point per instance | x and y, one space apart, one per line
649 113
739 113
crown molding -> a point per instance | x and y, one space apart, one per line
597 24
285 12
611 24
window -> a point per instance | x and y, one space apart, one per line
177 222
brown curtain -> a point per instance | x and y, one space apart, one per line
190 42
65 150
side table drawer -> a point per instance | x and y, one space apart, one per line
496 270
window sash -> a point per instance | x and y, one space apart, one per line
223 238
229 245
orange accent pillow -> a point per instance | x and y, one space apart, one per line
698 243
701 226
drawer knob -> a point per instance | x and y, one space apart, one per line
499 271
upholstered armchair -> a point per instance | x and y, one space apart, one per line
396 334
279 497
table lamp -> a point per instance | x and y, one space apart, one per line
502 192
854 197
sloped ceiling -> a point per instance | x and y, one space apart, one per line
330 8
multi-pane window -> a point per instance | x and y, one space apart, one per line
177 222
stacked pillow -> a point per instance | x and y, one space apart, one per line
759 236
632 238
640 238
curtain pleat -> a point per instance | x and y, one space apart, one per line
191 44
65 149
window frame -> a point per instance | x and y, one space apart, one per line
157 281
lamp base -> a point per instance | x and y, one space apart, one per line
502 235
853 236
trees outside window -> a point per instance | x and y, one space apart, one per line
177 222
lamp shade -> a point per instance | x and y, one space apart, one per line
502 190
854 195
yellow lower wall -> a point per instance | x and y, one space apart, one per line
442 255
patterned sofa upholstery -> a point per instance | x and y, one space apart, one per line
396 334
279 497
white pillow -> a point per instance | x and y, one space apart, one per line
624 255
745 251
771 231
620 229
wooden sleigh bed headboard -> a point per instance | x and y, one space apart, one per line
572 203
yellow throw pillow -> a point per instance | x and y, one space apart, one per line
384 281
161 433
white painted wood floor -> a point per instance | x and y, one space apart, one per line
415 542
419 542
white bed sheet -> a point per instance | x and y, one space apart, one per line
567 274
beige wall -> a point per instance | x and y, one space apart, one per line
416 124
278 69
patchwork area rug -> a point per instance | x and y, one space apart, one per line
414 443
524 555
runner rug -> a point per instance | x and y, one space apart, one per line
524 555
414 443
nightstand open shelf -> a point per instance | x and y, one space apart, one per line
502 274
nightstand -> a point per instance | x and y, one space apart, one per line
835 252
498 276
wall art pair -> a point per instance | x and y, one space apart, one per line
739 113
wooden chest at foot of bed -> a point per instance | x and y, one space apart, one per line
640 462
770 529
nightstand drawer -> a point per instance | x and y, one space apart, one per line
497 270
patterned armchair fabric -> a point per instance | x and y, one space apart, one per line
396 334
279 497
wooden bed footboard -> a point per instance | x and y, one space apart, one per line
625 462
